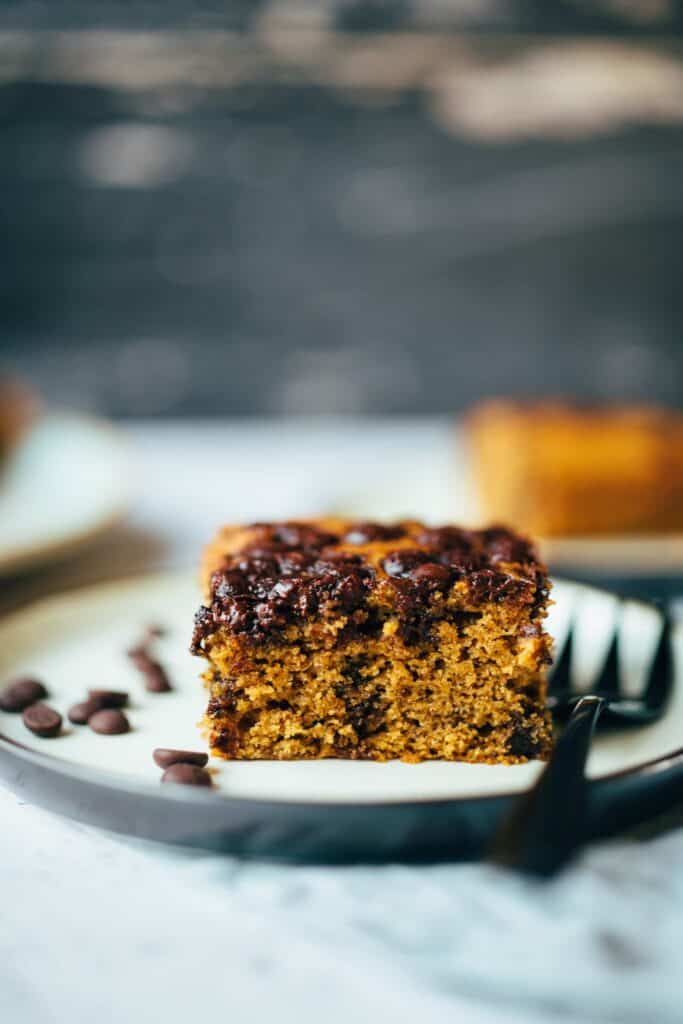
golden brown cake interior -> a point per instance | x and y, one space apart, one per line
339 639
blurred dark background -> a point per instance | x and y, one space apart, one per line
300 208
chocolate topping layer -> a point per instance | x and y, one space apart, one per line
273 575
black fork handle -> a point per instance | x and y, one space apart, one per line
548 824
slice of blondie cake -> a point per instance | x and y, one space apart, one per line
332 638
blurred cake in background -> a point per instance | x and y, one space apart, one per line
555 468
18 408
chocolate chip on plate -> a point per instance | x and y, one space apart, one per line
97 700
187 775
166 756
138 654
81 713
42 720
156 680
109 698
109 722
20 693
154 631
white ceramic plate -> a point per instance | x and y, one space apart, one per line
321 810
64 484
78 641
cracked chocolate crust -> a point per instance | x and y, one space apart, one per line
266 577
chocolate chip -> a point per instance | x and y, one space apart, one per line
258 564
166 756
138 654
278 705
156 680
487 585
504 546
187 775
154 632
203 626
431 572
80 714
42 720
365 533
98 700
441 537
232 583
269 537
521 743
293 562
403 562
109 722
109 698
20 693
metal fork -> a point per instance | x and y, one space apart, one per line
547 825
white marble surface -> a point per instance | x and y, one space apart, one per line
94 927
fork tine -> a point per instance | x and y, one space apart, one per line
609 679
660 677
561 676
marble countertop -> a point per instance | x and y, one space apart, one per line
94 926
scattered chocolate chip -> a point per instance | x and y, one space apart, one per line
187 775
138 653
109 722
156 680
166 756
42 720
109 698
154 632
20 693
81 713
98 700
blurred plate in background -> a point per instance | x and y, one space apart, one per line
452 498
64 484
